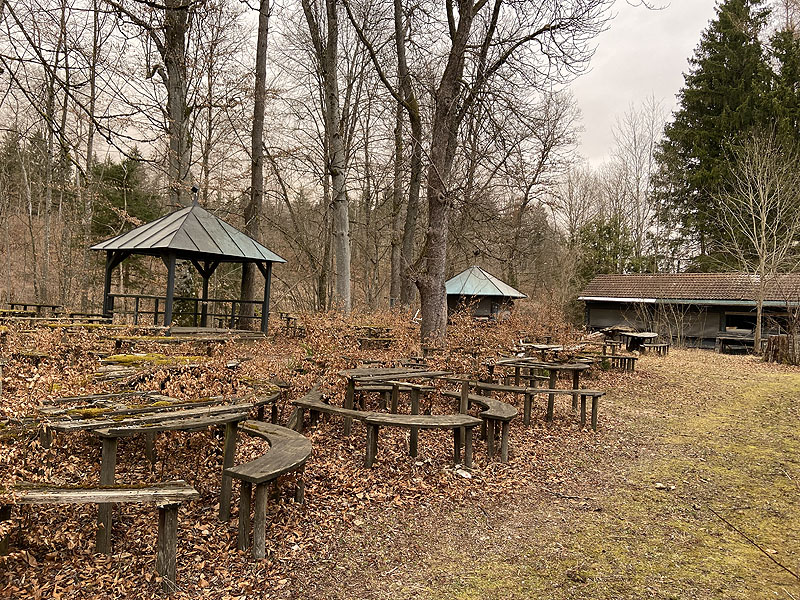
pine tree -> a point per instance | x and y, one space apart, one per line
725 95
785 52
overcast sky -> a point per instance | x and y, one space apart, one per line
643 53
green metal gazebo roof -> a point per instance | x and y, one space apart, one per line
474 281
191 232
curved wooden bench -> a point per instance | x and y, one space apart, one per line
660 349
168 496
313 402
495 413
374 421
595 395
288 452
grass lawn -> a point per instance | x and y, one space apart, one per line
689 440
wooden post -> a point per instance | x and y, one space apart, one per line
456 445
5 515
170 260
504 442
551 398
155 312
204 301
150 447
107 285
595 402
266 270
300 486
576 382
516 375
468 448
490 438
583 410
372 445
108 466
395 397
526 410
414 438
167 545
245 497
349 396
260 522
463 405
229 453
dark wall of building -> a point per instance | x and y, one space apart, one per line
482 306
690 325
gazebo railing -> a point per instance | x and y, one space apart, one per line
147 306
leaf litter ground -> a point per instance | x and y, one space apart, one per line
573 515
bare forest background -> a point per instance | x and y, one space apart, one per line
380 146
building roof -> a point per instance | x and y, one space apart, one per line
687 288
191 232
474 281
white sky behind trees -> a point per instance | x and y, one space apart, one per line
643 53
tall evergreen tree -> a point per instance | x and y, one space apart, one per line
725 94
785 51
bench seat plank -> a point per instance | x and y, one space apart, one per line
167 493
288 451
422 421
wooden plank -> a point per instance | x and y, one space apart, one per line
153 416
260 522
422 421
243 529
228 456
166 554
165 493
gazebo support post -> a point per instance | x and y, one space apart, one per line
266 271
170 261
206 270
113 260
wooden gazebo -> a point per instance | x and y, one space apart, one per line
192 234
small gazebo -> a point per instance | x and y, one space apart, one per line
482 292
191 234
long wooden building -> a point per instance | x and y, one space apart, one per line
696 309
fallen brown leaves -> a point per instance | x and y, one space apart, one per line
52 546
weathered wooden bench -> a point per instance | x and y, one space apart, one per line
288 452
390 392
374 421
168 497
494 414
622 361
595 395
313 402
660 349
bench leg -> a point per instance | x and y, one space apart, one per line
300 487
457 445
150 447
349 396
372 445
484 432
260 521
301 415
526 419
504 442
468 448
395 398
107 468
5 515
167 545
551 398
583 411
414 437
245 497
576 375
595 402
385 399
273 413
490 438
229 453
260 413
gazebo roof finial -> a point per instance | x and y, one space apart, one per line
195 191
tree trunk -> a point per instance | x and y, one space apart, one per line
397 205
252 212
176 22
407 257
444 132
